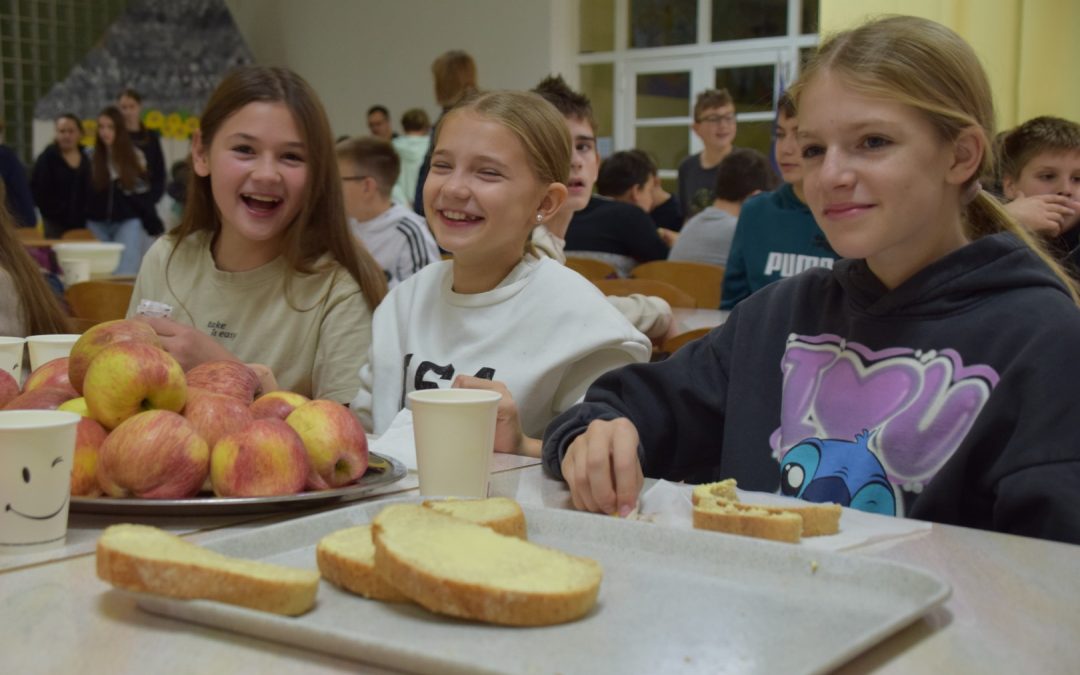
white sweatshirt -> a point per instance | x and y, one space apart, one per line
399 240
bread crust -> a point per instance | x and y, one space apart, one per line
354 573
128 557
747 520
500 514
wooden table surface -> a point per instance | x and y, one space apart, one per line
1015 608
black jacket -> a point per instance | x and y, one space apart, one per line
951 398
60 191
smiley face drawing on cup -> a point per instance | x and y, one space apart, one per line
37 449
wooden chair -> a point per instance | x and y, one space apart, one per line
672 344
591 269
78 234
676 297
702 281
27 233
93 302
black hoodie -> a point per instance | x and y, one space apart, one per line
950 398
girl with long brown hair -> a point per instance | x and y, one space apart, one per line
27 305
262 267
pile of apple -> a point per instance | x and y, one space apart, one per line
152 431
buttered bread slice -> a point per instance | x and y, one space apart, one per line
500 514
146 559
455 567
346 558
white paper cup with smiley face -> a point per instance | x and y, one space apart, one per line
37 449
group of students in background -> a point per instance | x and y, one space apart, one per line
925 372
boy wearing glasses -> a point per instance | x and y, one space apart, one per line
397 238
714 123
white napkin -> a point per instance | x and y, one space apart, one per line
669 504
398 440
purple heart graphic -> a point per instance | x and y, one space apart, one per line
849 401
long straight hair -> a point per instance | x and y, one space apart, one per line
924 65
121 155
41 311
320 227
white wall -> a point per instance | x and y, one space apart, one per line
357 53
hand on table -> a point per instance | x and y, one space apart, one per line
1046 215
508 435
601 467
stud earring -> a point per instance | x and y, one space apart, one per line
539 218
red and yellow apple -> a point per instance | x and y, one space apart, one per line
277 404
49 374
9 388
75 405
42 398
230 378
267 458
129 377
155 454
336 445
99 337
215 415
89 435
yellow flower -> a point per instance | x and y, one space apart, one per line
89 132
191 125
174 126
154 119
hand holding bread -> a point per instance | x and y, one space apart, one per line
602 469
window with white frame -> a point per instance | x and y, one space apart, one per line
643 62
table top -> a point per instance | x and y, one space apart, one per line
1014 606
690 319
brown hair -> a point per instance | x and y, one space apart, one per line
42 313
374 157
415 119
924 65
455 77
711 98
121 155
570 103
320 227
743 172
1034 137
785 105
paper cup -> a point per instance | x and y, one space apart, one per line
37 450
45 348
11 356
76 270
455 438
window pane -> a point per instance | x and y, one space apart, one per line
667 145
756 135
661 23
663 95
598 83
750 87
809 17
597 21
745 19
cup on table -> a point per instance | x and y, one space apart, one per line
37 450
45 348
455 438
11 356
76 270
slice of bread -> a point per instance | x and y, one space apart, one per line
346 558
501 514
451 566
143 558
724 489
751 521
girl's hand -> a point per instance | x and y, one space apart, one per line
602 469
187 345
668 236
1045 215
508 435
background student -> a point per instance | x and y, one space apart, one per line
715 124
262 268
412 146
397 238
60 179
148 142
776 236
19 201
706 238
496 316
28 305
929 374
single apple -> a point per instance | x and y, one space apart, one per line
99 337
155 454
89 435
9 388
277 404
230 378
42 398
267 458
129 377
336 445
49 374
75 405
215 415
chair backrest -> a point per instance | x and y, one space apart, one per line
700 280
97 301
591 269
27 233
78 234
676 297
672 344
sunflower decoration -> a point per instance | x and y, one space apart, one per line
89 132
191 125
154 119
174 126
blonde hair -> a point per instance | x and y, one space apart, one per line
924 65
